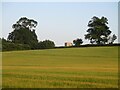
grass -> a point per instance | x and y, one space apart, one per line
93 67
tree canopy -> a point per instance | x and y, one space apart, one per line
98 31
77 42
24 32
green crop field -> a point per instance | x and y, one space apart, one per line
90 67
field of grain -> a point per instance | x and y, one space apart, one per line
92 67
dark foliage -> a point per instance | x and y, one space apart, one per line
24 32
0 44
47 44
9 46
77 42
98 31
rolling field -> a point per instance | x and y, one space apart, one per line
92 67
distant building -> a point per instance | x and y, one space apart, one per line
68 44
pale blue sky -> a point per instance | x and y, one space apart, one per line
59 21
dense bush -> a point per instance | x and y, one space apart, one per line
77 42
12 46
9 46
47 44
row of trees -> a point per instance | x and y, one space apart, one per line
24 37
98 32
9 46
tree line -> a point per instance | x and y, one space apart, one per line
23 36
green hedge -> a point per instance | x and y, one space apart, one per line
12 46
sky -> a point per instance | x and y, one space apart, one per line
59 21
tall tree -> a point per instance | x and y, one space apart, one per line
98 31
24 32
